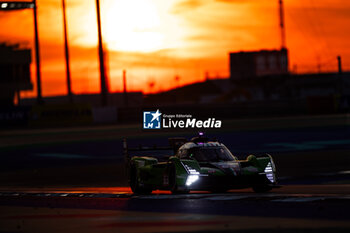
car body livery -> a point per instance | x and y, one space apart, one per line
199 164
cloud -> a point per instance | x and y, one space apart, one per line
232 1
186 5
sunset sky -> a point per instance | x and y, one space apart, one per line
156 40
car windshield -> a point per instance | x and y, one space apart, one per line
213 154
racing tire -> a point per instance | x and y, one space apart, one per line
134 183
172 182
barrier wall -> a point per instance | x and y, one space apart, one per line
56 115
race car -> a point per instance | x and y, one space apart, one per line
198 164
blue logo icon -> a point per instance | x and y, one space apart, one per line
151 120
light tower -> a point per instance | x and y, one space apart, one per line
103 77
282 26
66 52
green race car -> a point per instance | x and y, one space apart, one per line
198 164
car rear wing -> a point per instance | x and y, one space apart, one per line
174 144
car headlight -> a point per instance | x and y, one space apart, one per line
191 179
193 175
269 172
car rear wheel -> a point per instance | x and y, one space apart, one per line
134 183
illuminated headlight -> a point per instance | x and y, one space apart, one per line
269 172
191 179
268 167
191 171
193 175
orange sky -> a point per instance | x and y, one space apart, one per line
156 40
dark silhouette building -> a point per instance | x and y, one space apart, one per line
14 72
258 63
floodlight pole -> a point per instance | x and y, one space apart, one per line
282 25
37 55
103 81
125 90
66 50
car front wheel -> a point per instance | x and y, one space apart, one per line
173 183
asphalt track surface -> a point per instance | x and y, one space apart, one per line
73 182
301 208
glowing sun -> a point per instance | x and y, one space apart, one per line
132 25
